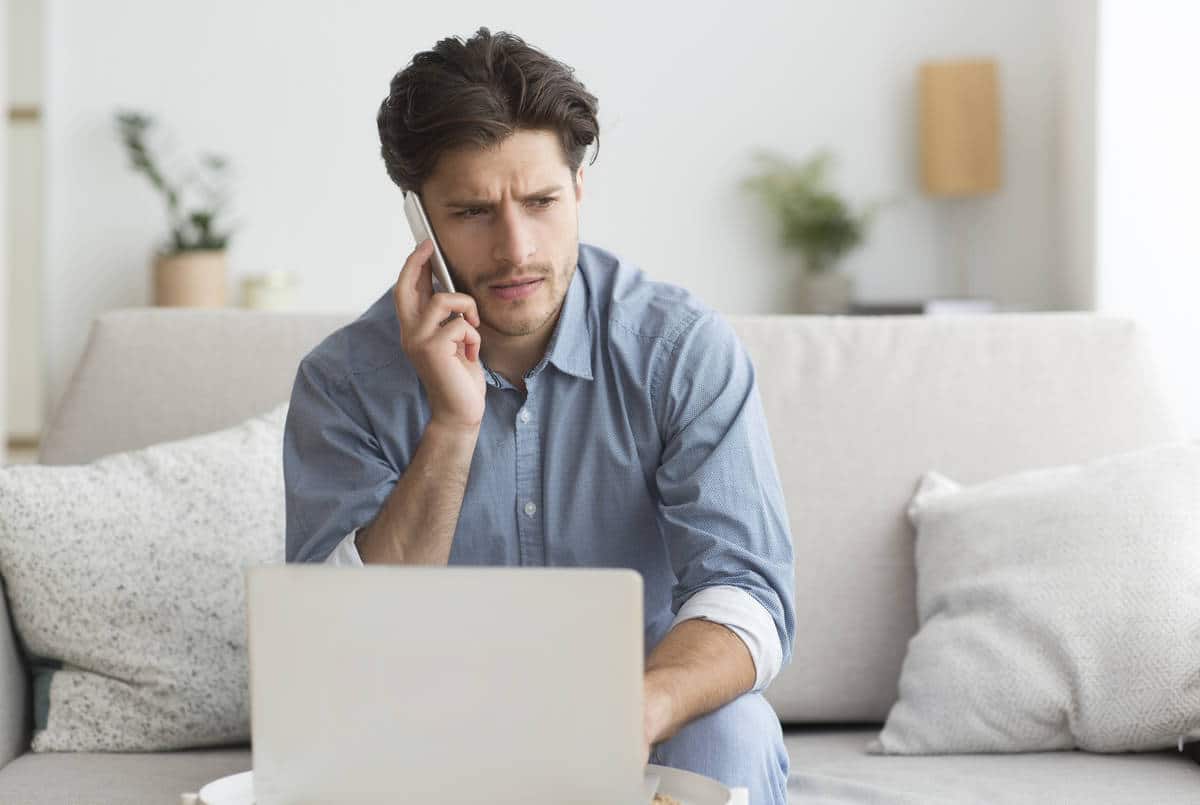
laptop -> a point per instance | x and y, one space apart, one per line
391 683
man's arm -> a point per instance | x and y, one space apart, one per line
334 470
337 476
417 522
741 612
698 667
721 512
338 481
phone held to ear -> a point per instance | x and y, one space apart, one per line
418 222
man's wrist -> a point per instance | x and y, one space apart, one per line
659 705
454 430
366 543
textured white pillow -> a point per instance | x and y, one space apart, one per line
1058 608
125 580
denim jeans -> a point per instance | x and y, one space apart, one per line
738 744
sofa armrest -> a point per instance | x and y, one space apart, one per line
14 690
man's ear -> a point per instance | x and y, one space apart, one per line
579 185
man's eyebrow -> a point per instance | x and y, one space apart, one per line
482 202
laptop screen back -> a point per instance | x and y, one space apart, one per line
445 684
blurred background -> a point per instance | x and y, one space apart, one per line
1027 155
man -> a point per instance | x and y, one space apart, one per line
572 413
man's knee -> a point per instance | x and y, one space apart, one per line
738 744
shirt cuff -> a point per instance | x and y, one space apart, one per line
736 609
346 553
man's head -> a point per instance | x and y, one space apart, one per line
491 133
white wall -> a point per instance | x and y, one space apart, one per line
24 219
1076 163
290 92
4 202
1148 172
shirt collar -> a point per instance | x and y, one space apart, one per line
570 347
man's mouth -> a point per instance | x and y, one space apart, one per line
515 283
518 289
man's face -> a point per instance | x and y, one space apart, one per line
506 215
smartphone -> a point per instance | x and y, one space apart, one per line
418 222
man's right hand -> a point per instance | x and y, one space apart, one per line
444 353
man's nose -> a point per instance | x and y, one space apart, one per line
515 242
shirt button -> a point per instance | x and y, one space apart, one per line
524 415
531 508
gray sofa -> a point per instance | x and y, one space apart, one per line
858 409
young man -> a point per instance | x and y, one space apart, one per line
574 413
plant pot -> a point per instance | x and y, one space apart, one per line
826 292
190 279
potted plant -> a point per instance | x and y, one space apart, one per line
189 269
815 222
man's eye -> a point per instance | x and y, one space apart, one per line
474 212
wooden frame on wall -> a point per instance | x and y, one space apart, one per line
24 113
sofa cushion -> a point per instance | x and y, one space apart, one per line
830 765
125 580
1059 608
75 778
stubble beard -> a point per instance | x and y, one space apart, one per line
526 326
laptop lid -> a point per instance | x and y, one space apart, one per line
443 684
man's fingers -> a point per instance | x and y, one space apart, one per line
425 279
460 334
416 260
408 294
439 308
471 344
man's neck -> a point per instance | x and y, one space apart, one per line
513 355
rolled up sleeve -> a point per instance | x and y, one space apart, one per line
735 609
721 508
346 553
336 477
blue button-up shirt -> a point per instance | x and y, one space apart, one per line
640 442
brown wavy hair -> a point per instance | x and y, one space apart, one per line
479 92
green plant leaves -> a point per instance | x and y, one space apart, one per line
194 229
814 220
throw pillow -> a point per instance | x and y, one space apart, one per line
1059 608
125 582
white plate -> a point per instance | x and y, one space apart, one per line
236 789
690 788
687 787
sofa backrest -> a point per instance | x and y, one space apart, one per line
152 374
858 408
